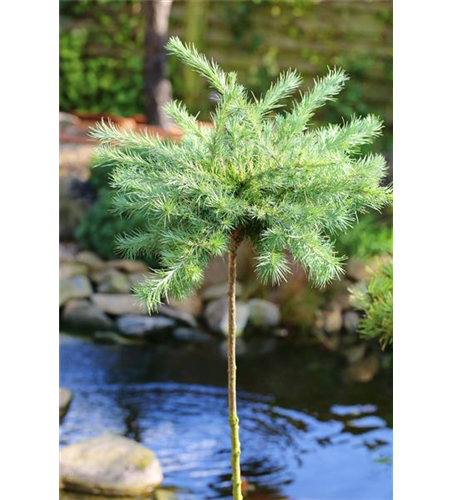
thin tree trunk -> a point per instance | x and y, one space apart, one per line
232 368
157 87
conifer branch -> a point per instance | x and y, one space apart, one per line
283 186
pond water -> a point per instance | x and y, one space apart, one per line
306 433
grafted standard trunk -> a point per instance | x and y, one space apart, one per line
157 88
232 368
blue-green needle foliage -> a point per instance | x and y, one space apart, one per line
266 177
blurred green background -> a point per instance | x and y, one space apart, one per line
102 43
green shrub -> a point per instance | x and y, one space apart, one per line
101 57
101 226
370 237
376 301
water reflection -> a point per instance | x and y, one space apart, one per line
287 453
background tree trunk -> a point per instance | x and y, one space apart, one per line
232 368
157 87
196 27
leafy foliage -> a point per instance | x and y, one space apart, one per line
100 226
270 179
101 56
370 237
377 303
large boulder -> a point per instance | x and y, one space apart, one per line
109 465
65 401
118 304
77 287
142 326
264 314
84 314
217 318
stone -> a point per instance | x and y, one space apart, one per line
190 335
65 401
118 304
128 266
362 371
68 270
216 316
333 320
68 251
179 316
76 495
263 313
112 281
77 287
141 326
220 290
84 314
355 353
109 465
357 269
91 260
342 297
191 305
137 278
351 321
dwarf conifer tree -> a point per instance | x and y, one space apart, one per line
255 175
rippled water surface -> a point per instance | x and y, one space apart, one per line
306 435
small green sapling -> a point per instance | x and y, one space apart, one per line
255 175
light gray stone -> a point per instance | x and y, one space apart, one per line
357 270
141 326
220 290
355 353
112 281
70 269
137 278
91 260
118 304
333 320
191 305
77 287
109 465
351 321
216 315
263 313
364 370
128 266
84 314
179 316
